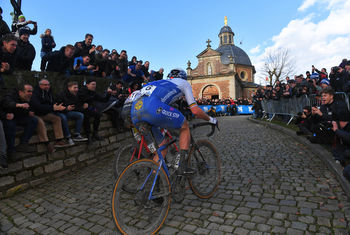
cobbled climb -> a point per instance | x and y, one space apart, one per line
270 184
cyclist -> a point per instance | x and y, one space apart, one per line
153 106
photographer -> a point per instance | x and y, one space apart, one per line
82 65
340 78
304 122
329 109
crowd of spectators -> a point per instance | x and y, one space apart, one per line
30 106
227 101
326 121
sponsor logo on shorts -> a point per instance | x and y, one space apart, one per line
170 114
138 105
159 110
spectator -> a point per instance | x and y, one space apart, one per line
82 65
85 47
43 105
110 68
329 110
98 50
322 74
23 24
59 61
156 75
7 54
133 61
122 63
47 43
340 78
87 96
3 156
133 87
145 68
287 93
120 95
304 122
135 74
69 99
4 29
341 128
17 105
101 61
25 52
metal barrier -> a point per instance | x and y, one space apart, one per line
285 106
292 106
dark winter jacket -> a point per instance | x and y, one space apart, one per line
2 114
4 29
84 51
25 54
42 101
89 97
8 58
57 62
47 43
344 135
67 98
331 112
9 101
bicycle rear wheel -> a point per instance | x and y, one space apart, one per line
132 212
123 157
205 159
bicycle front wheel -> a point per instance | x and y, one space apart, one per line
123 157
133 212
205 159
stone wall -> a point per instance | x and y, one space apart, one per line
34 169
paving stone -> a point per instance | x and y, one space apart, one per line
168 230
323 221
241 231
263 227
299 225
201 231
292 231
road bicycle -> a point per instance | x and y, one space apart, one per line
143 191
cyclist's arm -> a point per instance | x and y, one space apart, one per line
195 109
199 113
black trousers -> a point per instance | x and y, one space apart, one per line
88 115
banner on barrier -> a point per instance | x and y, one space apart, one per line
245 109
241 109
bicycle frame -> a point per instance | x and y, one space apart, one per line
142 143
161 164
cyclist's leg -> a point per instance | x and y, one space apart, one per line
157 114
185 136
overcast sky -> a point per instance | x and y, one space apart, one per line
169 33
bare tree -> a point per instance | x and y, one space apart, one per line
278 65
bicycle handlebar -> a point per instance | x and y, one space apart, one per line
194 126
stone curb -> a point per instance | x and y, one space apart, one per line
317 149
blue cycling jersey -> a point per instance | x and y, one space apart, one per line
152 104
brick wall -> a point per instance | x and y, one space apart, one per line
34 169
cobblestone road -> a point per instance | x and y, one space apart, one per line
271 184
